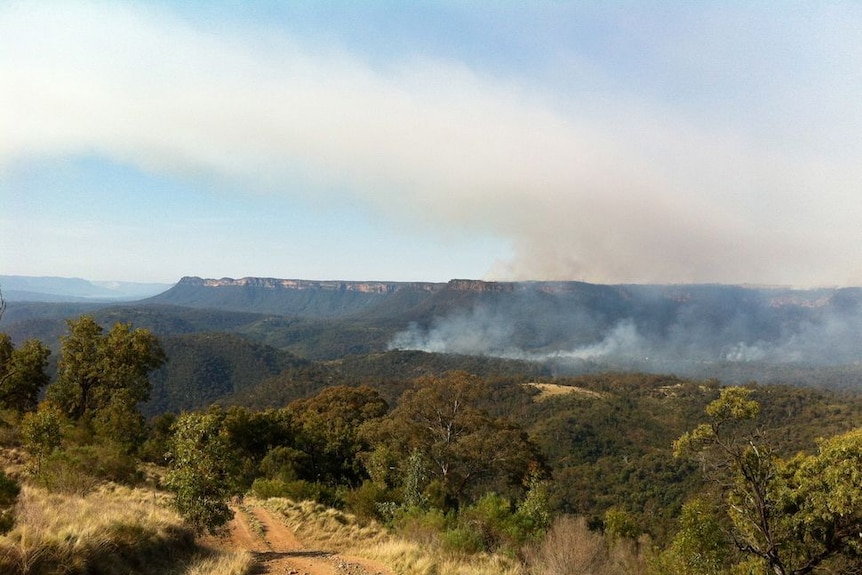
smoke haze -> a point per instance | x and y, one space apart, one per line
642 326
705 149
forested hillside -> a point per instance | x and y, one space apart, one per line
483 452
731 333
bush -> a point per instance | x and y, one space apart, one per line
10 433
269 488
297 490
81 468
41 433
491 520
500 527
423 526
463 540
9 491
203 474
367 500
570 547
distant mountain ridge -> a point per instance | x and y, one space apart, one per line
294 297
297 284
254 293
560 320
657 328
61 289
734 333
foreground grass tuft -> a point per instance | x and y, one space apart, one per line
112 530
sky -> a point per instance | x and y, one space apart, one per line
608 142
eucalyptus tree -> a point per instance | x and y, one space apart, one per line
464 451
787 516
22 373
204 471
98 369
103 376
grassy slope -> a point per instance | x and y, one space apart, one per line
111 531
123 531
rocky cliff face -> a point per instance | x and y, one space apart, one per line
291 297
371 287
481 286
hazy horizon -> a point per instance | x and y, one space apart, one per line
105 282
607 143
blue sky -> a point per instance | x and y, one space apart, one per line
604 142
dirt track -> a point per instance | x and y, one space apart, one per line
279 551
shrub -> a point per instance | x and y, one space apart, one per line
10 433
80 469
263 488
41 433
283 462
297 490
203 473
9 491
492 521
700 547
463 540
570 547
367 500
422 525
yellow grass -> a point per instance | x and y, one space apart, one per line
549 390
111 530
221 563
333 530
410 558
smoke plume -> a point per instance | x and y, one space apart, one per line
587 177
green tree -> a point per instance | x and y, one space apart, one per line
253 435
98 370
203 473
22 373
700 546
620 524
467 451
326 426
793 517
42 433
535 508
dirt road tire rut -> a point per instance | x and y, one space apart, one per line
277 549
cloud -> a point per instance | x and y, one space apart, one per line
604 185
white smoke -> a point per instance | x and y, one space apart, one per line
477 332
741 352
482 333
591 179
825 337
621 341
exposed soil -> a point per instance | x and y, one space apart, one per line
278 550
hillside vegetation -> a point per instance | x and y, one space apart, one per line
474 459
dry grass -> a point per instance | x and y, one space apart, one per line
324 528
411 558
111 530
221 563
550 390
